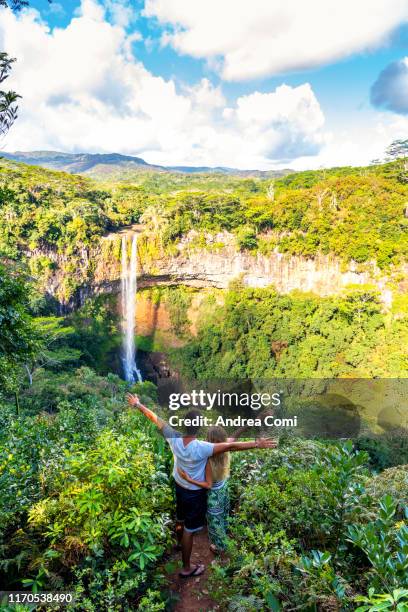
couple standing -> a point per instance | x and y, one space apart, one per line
201 470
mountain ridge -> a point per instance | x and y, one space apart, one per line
101 165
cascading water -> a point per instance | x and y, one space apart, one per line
128 295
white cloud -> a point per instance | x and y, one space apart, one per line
260 127
263 37
357 142
286 123
83 90
390 91
121 12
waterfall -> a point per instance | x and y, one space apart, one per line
128 296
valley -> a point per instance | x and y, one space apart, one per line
147 280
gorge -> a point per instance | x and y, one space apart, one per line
330 246
129 260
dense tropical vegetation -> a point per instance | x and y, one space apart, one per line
260 333
357 214
313 530
87 504
54 221
86 499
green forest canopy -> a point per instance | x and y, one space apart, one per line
355 213
258 333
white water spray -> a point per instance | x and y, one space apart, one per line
128 295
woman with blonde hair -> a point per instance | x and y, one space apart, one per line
216 481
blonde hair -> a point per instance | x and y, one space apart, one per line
220 464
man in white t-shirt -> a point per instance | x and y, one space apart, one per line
191 455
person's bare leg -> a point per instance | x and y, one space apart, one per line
179 532
186 548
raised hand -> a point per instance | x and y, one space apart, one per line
266 443
133 400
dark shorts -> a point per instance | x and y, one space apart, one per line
191 508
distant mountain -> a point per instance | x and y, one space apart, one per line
230 171
116 166
76 163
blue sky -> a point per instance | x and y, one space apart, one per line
248 84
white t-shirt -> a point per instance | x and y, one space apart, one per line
191 458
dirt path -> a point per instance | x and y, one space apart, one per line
193 594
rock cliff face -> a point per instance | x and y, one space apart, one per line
322 275
215 266
220 263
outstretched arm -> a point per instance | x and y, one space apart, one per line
223 447
205 484
134 402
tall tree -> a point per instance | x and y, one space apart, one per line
398 151
18 338
8 99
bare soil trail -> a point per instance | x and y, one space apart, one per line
193 593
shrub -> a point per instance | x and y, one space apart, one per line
246 238
386 545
